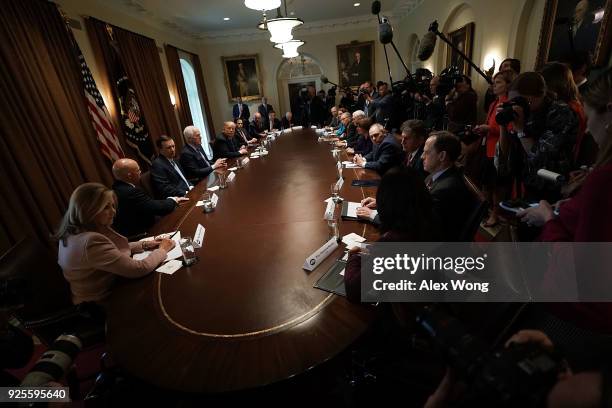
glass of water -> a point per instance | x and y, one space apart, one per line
335 193
207 201
334 229
189 256
222 180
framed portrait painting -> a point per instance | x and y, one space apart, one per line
355 63
463 39
242 77
575 26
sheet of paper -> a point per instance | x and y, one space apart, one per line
215 188
342 272
353 237
345 257
170 267
233 168
352 209
254 155
176 251
160 236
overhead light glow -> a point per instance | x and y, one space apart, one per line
262 5
290 48
280 28
226 18
356 4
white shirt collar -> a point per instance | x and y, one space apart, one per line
438 173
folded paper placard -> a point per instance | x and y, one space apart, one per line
320 254
214 199
329 211
198 237
231 177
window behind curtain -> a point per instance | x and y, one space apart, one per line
195 105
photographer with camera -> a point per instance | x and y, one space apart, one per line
528 372
380 109
434 108
543 133
461 104
366 95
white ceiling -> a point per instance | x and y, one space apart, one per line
200 18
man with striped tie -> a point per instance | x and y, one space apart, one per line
193 159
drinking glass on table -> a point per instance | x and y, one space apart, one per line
189 256
207 201
222 180
335 193
334 229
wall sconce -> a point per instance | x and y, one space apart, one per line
172 100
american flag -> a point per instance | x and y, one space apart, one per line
109 143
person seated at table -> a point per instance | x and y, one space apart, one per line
386 152
364 144
345 120
92 254
193 159
257 127
274 123
243 137
405 211
136 210
334 121
226 145
167 176
351 134
451 198
413 142
287 121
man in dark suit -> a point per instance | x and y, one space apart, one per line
257 127
193 159
225 144
136 210
273 122
264 110
413 141
241 110
287 121
380 108
451 197
167 177
386 153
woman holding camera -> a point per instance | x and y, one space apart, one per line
92 254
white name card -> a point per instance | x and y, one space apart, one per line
215 188
329 211
320 254
231 177
198 237
214 199
245 161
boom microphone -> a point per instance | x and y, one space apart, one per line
428 44
385 32
376 7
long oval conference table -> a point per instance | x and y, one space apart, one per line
246 314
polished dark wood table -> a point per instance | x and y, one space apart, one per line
246 314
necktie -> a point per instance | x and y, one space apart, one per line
201 151
180 173
429 183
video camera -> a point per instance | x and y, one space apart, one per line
519 375
449 77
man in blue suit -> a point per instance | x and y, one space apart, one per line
241 110
385 154
193 159
167 177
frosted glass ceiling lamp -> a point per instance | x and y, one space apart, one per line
290 48
281 28
262 5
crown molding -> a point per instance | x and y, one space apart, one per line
401 9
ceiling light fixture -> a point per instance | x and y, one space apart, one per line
262 5
226 18
356 4
290 48
281 28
